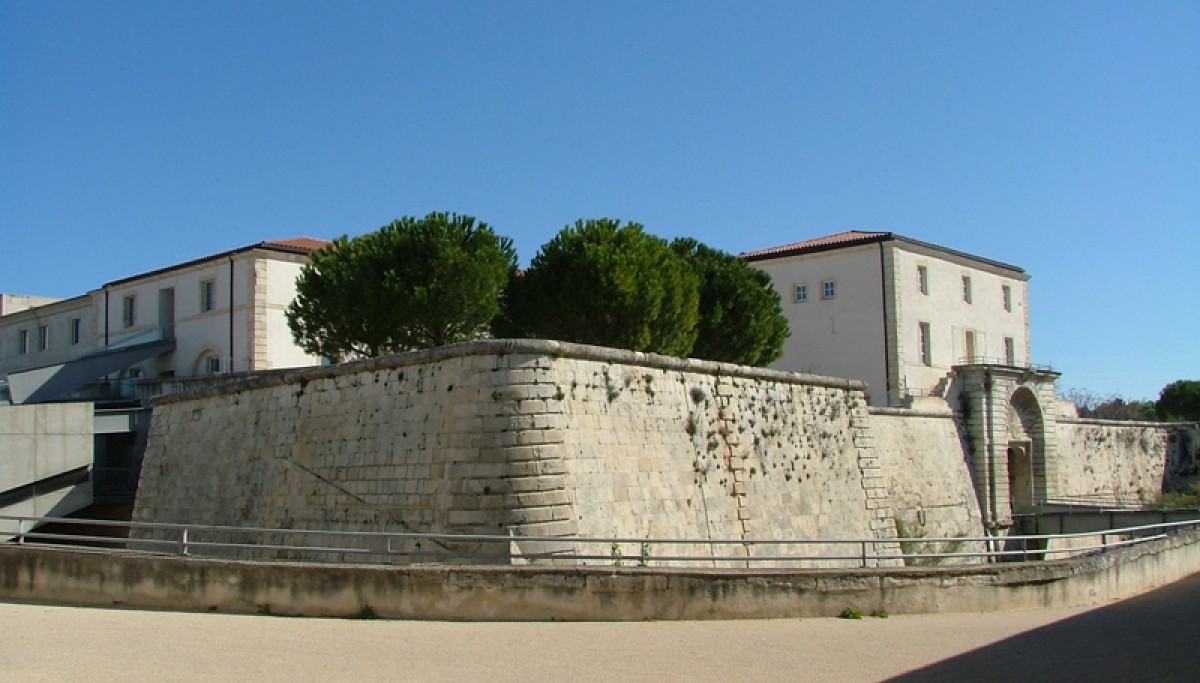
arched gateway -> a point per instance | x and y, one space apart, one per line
1011 437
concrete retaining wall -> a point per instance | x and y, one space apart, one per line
578 593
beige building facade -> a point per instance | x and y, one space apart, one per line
896 313
221 313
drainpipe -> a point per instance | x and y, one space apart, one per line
106 293
887 353
231 354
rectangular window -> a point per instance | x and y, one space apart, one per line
129 311
208 296
967 288
212 365
923 279
76 330
923 343
22 341
43 337
970 346
1010 351
828 289
801 294
1007 291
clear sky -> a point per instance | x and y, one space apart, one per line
1062 137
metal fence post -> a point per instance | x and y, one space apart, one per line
863 546
183 542
20 531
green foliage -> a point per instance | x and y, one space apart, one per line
415 283
851 613
880 613
741 319
1179 400
1181 499
1112 407
912 550
598 282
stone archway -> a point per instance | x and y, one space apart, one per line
1026 452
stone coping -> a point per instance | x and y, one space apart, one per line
1128 423
910 412
507 347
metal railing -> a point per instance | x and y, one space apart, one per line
992 360
380 547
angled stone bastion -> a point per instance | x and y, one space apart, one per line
530 439
526 438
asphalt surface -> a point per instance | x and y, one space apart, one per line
1147 638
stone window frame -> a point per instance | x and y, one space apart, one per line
129 311
925 343
208 295
828 289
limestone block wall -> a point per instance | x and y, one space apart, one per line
924 454
528 438
697 450
1115 461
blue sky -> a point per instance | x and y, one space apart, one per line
1063 137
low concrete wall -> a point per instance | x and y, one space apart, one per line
57 575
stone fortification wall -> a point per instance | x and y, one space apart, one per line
923 453
1120 462
528 438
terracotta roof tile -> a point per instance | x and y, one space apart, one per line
298 243
841 239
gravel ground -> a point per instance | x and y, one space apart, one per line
1151 637
44 643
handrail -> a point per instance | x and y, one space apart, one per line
859 551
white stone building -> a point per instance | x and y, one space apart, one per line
895 312
219 313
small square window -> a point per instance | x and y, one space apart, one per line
828 289
801 294
129 311
76 330
208 296
1007 291
966 288
923 279
43 337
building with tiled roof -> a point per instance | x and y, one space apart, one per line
220 313
897 313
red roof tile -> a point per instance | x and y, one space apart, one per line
841 239
298 243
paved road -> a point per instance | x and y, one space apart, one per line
1149 638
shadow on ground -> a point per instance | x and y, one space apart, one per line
1154 637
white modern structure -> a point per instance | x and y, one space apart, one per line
220 313
896 313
